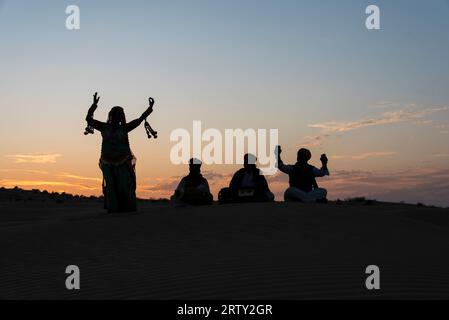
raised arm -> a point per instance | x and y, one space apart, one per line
285 168
98 125
324 171
130 126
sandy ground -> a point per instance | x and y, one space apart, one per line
248 251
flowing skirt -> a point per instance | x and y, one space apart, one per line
119 186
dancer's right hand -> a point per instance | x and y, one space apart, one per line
96 99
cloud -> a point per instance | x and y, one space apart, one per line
170 184
76 177
27 171
392 105
427 185
407 114
313 141
163 185
443 128
364 156
385 118
42 183
34 158
213 176
423 122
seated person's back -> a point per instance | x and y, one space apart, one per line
302 178
247 184
193 189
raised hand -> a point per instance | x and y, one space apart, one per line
324 159
149 110
277 151
148 129
96 99
89 118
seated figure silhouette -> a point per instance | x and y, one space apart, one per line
247 184
117 162
193 189
303 185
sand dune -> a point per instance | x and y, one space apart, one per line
249 251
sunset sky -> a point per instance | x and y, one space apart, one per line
376 102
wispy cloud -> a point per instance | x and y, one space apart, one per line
385 118
164 187
43 184
444 128
313 141
408 114
427 185
392 105
214 177
441 155
34 158
76 177
364 156
170 184
163 184
27 171
423 122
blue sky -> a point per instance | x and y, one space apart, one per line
292 65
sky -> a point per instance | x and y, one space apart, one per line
375 101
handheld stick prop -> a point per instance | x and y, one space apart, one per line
150 131
89 130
